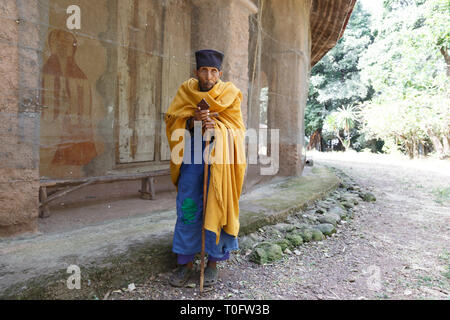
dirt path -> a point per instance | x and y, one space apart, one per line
394 248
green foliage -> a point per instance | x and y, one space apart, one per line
406 67
396 68
335 80
404 57
344 118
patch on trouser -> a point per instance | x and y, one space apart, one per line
190 198
188 208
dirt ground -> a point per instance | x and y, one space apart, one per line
394 248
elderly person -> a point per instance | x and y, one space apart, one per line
225 178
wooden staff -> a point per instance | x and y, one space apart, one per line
204 106
202 260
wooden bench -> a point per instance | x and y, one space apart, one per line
147 190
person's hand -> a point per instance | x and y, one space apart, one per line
204 117
209 123
201 115
198 114
204 114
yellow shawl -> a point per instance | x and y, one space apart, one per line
222 206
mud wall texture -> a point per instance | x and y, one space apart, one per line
19 118
89 100
280 44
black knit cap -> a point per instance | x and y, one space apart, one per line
209 58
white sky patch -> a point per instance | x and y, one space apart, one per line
375 7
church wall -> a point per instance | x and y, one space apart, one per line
19 117
90 101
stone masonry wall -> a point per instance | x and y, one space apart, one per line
19 119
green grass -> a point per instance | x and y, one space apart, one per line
447 273
382 296
445 257
442 195
425 280
431 282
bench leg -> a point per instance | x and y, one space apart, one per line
151 185
44 211
147 188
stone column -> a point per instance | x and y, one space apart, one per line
223 25
289 66
19 117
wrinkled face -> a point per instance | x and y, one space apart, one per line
207 77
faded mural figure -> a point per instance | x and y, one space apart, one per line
68 100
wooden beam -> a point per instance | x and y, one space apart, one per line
104 179
63 193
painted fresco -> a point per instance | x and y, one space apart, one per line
105 87
72 108
71 96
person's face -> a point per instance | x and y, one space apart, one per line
207 77
62 43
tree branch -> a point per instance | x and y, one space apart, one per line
444 51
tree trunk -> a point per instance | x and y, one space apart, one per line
315 141
436 142
340 139
421 149
444 51
347 133
409 149
415 149
446 141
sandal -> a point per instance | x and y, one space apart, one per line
181 276
211 276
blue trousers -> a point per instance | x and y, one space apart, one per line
187 239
